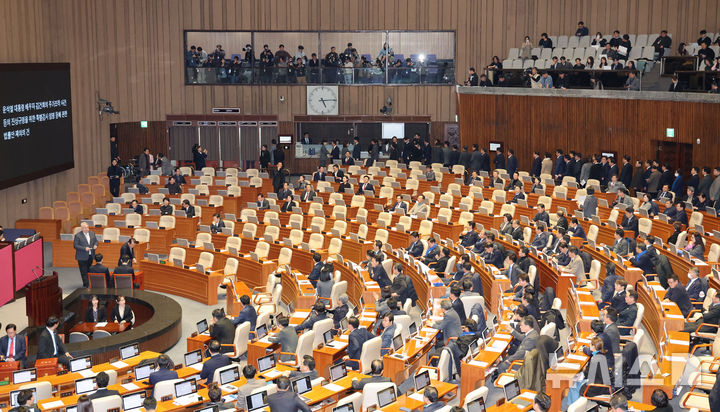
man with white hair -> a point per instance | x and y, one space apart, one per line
85 244
341 311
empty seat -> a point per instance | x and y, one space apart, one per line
141 235
177 253
111 233
168 222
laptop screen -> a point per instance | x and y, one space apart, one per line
487 334
14 395
266 362
302 385
229 375
422 380
133 401
25 375
202 326
256 400
474 348
129 351
185 388
477 405
143 372
397 342
348 407
512 389
80 364
338 371
193 357
412 329
328 336
343 327
85 385
386 397
261 331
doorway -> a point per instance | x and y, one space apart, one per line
676 155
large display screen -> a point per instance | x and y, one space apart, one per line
36 112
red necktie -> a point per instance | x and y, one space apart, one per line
11 352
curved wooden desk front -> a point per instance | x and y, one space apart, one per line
182 282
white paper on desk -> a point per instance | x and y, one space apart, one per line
184 401
367 319
265 339
119 364
499 344
304 282
478 363
272 374
657 287
576 357
101 324
528 395
343 338
583 292
581 340
371 283
130 386
671 316
418 396
583 303
53 405
436 318
197 366
568 365
502 336
429 330
679 342
337 345
333 387
87 373
494 349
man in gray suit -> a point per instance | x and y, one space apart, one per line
420 208
285 400
287 338
450 325
527 336
85 244
590 205
388 322
611 328
653 181
621 247
376 376
251 384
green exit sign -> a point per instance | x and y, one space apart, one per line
143 124
669 132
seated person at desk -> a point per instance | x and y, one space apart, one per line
589 205
644 257
473 178
348 160
12 346
700 203
317 267
137 208
103 379
541 236
696 287
710 317
528 300
575 266
166 208
650 206
378 273
287 338
128 249
285 399
149 404
357 336
430 399
222 330
618 301
365 186
541 215
345 185
388 333
216 399
262 203
173 186
432 251
677 293
164 372
285 191
416 247
608 286
696 246
623 245
341 311
622 198
217 360
125 268
563 258
318 313
288 204
420 207
679 214
492 256
337 173
630 221
626 318
217 224
94 313
188 208
664 194
527 337
98 267
301 183
308 194
506 225
521 284
512 270
440 265
562 222
516 230
450 325
457 304
251 383
247 314
399 205
610 329
179 178
319 176
121 313
470 237
26 401
325 283
576 230
597 372
307 368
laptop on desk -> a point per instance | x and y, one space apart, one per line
143 372
301 386
422 380
133 401
338 371
386 396
256 401
512 390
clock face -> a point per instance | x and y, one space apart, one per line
322 100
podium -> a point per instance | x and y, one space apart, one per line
7 368
43 298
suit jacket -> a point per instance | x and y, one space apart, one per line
124 270
307 195
618 302
99 268
527 344
288 206
415 249
217 227
469 239
210 365
282 194
380 276
712 315
310 321
338 314
263 205
126 250
80 243
315 273
630 224
244 391
356 339
576 267
459 308
101 315
590 206
418 209
431 254
450 325
224 332
628 315
103 392
360 384
387 337
18 350
626 174
512 165
613 333
679 295
578 231
162 374
644 261
608 288
517 233
190 211
622 246
653 181
704 187
127 314
247 314
540 240
46 349
433 406
512 273
476 160
542 217
287 338
696 289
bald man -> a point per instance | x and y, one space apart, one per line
85 244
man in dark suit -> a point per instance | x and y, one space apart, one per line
217 360
513 270
378 273
536 164
611 329
319 176
285 399
12 346
457 304
85 244
128 249
541 215
399 205
102 380
608 288
98 267
247 313
644 258
516 231
677 293
630 221
188 208
165 371
124 268
318 313
696 287
376 376
365 186
308 194
430 398
357 336
476 159
541 237
512 162
626 172
315 273
416 247
356 153
26 400
285 191
626 318
340 312
288 204
222 330
492 256
402 286
388 333
262 203
287 338
50 345
136 207
450 325
470 237
711 317
217 224
216 399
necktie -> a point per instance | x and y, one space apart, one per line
11 351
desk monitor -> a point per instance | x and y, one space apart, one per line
25 375
177 262
133 401
80 364
302 385
261 331
478 405
152 225
202 326
328 336
266 363
413 329
348 407
256 401
487 334
186 387
338 371
85 385
422 380
343 324
191 358
143 372
128 351
474 348
14 395
386 397
229 375
183 242
512 390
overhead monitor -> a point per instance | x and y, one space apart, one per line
390 130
